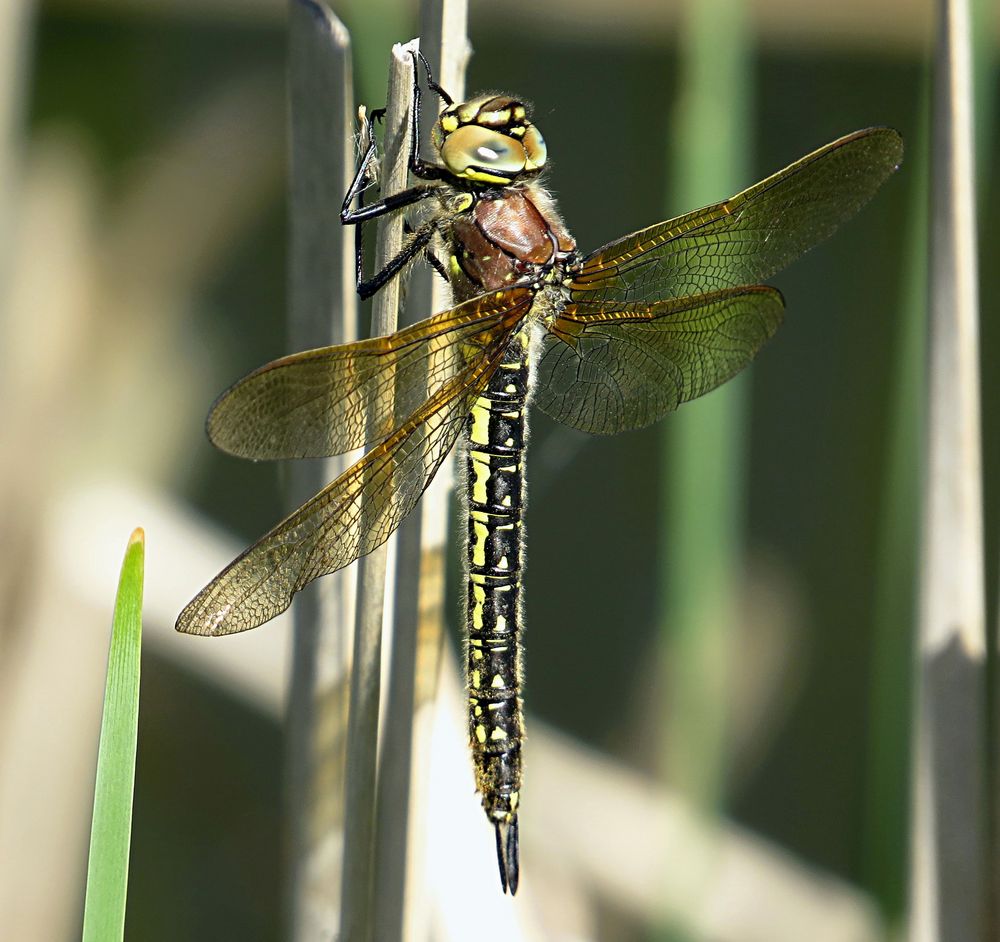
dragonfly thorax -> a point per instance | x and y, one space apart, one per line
489 140
505 237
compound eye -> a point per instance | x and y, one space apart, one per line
472 151
534 148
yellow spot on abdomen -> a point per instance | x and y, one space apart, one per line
478 601
481 474
480 433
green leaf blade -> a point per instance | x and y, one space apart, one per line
111 828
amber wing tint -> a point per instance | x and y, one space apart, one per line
654 319
618 366
749 237
328 401
668 313
362 507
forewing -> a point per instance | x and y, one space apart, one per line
745 239
622 366
330 400
350 517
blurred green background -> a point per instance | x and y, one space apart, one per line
122 93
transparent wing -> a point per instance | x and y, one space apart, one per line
328 401
609 368
749 237
351 516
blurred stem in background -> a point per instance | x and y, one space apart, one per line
358 896
322 310
985 75
704 443
886 794
948 897
985 56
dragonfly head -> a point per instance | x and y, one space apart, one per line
489 140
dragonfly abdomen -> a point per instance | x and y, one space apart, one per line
495 494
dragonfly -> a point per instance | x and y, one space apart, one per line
606 341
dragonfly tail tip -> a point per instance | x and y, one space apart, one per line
508 853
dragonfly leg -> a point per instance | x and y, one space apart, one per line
388 204
429 255
357 216
437 265
431 84
419 167
421 238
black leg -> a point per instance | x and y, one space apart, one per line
437 265
364 162
432 85
395 265
429 255
419 167
360 214
367 288
357 216
352 217
356 190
